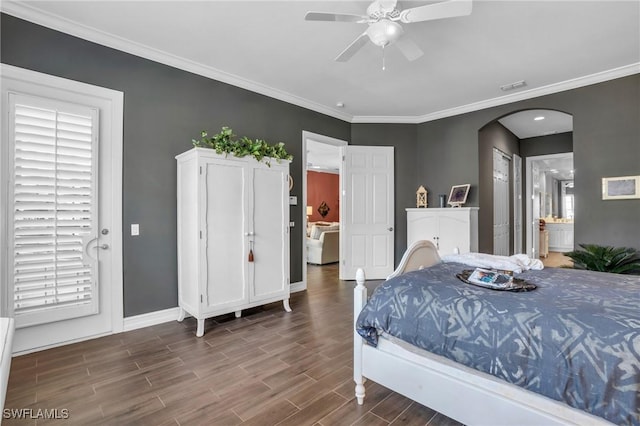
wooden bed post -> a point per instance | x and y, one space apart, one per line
359 299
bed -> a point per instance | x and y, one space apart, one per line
603 388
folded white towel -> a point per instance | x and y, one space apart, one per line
516 263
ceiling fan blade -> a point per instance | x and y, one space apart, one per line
445 9
334 17
409 48
353 48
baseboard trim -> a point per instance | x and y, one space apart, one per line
151 318
171 314
299 286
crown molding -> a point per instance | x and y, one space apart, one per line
58 23
575 83
386 119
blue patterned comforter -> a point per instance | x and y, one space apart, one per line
576 338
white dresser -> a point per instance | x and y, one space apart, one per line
233 234
450 229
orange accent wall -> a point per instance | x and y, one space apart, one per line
323 187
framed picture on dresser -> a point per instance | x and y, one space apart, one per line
458 195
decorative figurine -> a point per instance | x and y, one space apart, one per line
421 197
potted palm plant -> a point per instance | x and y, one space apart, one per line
616 260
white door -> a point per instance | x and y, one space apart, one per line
61 175
517 199
367 211
534 225
501 199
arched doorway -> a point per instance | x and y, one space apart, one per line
504 145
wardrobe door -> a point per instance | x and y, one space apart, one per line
226 221
270 239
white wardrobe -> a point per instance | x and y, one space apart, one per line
450 229
233 234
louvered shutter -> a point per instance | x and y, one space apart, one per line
54 268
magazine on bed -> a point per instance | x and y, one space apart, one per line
491 278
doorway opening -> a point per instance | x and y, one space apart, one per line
550 206
321 202
507 218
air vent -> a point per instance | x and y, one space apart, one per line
512 86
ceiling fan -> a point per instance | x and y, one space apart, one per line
383 30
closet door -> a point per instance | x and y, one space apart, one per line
226 223
270 232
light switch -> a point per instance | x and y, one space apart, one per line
135 229
292 224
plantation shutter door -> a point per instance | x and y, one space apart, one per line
53 195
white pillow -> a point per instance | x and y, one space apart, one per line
316 231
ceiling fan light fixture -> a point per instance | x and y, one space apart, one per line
384 32
384 29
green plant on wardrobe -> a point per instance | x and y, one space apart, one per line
225 142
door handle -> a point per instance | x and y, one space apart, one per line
87 247
87 240
390 228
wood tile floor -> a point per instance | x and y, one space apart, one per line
268 367
556 260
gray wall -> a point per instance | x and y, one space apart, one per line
544 145
165 108
606 142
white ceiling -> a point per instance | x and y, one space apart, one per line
268 47
537 122
559 166
322 157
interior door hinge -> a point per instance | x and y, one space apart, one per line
200 234
200 169
201 299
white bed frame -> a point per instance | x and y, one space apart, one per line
462 393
